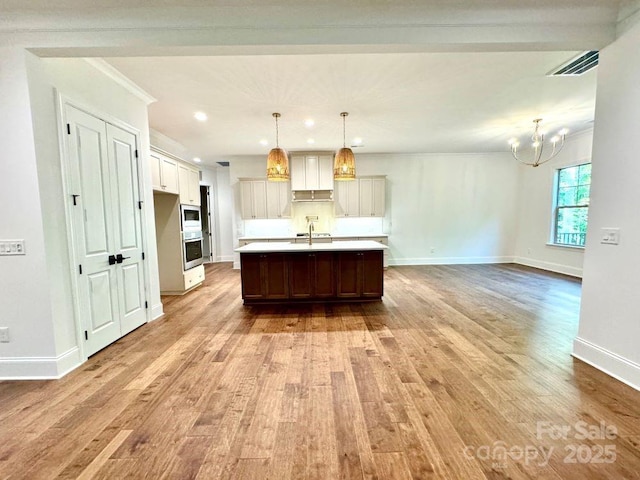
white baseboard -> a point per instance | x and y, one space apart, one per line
156 311
618 367
40 368
225 258
448 260
236 265
552 267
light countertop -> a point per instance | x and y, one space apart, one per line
357 245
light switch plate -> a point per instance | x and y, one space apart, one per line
12 247
610 236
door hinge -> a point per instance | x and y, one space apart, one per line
143 255
140 204
136 153
86 335
68 129
80 269
146 304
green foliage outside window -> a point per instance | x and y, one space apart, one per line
572 205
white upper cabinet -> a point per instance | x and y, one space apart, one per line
372 196
362 197
164 173
189 184
253 197
347 198
312 172
278 199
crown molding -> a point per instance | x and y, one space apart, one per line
120 79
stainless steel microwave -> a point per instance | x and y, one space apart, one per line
190 218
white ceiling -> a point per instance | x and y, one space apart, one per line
411 102
415 75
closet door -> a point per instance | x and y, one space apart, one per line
107 228
127 233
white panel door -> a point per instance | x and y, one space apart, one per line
312 177
125 198
353 197
93 227
284 194
107 228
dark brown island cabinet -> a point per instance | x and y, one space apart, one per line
312 276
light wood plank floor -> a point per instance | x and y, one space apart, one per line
462 372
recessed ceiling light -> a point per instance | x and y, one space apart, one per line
357 141
310 141
200 116
309 122
264 142
197 159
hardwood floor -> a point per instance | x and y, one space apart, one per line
461 372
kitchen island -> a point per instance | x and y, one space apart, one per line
350 271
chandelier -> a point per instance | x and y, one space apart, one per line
278 160
535 157
344 163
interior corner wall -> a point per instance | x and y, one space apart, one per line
609 329
535 211
25 299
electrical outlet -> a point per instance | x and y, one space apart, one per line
4 334
433 249
12 247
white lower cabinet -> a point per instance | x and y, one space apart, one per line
193 277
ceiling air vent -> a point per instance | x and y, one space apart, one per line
577 66
223 164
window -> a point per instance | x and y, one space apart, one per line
572 205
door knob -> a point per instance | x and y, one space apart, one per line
120 258
112 260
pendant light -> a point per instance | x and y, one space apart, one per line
278 160
344 163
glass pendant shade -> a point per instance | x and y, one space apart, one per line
278 160
344 163
278 165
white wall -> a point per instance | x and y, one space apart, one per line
609 331
535 211
44 335
25 299
461 206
